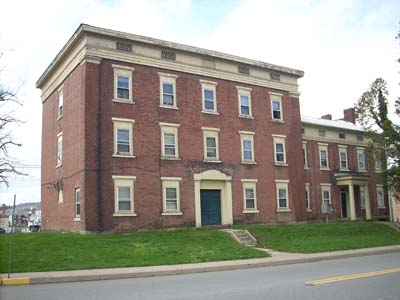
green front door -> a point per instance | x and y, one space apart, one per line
210 207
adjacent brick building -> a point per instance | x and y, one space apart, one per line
143 133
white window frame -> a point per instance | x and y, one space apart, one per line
362 197
343 149
120 123
305 158
250 184
213 133
59 150
60 110
249 136
212 86
169 128
323 147
60 196
244 91
282 184
378 163
308 200
327 188
123 71
359 151
321 133
168 79
77 191
276 97
171 182
124 181
379 188
279 139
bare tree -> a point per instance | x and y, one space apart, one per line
8 104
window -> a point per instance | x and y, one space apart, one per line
60 196
244 96
211 151
326 193
323 156
342 135
123 137
279 149
380 196
305 160
168 90
123 84
282 195
124 195
208 90
249 196
171 195
308 204
343 158
276 106
169 141
59 149
362 197
303 131
60 102
378 162
322 133
361 159
77 203
246 140
360 137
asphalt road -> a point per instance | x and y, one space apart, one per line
281 282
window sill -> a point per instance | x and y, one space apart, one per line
212 161
277 121
362 171
123 101
177 213
125 215
246 117
77 219
378 171
210 112
306 168
309 210
278 164
124 156
324 169
284 210
381 207
170 158
344 170
248 211
168 106
59 166
59 117
248 162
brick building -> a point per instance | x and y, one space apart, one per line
144 133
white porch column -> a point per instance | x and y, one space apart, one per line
367 204
229 211
197 203
352 203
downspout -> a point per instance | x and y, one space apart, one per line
99 152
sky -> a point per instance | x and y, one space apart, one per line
342 46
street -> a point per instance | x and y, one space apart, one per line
282 282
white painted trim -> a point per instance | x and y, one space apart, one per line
123 177
210 129
172 178
123 120
247 132
279 135
123 67
281 180
249 180
169 124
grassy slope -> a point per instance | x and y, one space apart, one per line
311 238
69 251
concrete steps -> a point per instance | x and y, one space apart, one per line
243 237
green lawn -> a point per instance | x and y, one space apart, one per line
72 251
322 237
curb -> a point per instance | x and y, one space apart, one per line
136 272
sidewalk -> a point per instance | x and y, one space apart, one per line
278 258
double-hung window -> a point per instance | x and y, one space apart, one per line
209 96
378 162
362 197
123 83
343 158
244 98
77 203
211 145
169 141
276 106
59 149
323 156
171 195
361 159
60 102
123 137
279 149
124 195
168 90
249 196
326 193
380 196
308 202
282 194
247 145
305 160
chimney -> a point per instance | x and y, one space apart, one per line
348 115
327 117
